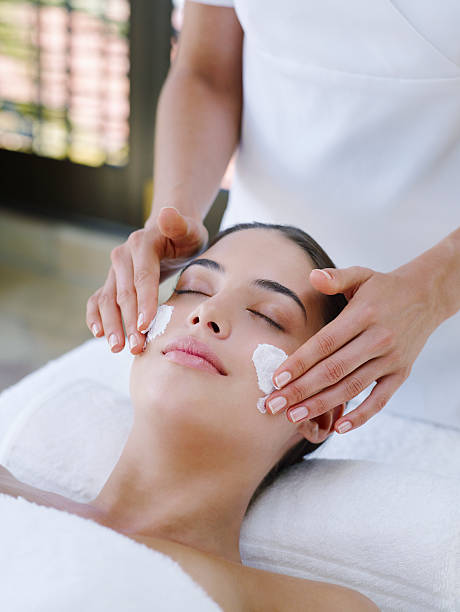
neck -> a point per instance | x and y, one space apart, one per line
184 495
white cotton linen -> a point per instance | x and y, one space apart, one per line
68 437
351 131
53 561
393 484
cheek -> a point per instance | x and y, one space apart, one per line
135 374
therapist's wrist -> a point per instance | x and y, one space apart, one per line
444 259
435 275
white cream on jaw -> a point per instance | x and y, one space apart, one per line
266 358
159 322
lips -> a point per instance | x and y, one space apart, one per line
189 344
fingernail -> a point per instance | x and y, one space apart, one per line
276 404
282 379
298 413
95 329
113 340
343 427
140 320
326 274
132 341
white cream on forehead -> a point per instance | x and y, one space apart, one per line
159 322
266 358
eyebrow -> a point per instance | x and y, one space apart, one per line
262 283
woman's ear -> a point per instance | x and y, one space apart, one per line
318 429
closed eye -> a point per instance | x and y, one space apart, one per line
269 321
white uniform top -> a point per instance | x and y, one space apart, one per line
351 131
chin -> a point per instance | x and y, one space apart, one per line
161 383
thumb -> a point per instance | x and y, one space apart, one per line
342 280
172 222
188 234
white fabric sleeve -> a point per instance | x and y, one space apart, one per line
214 2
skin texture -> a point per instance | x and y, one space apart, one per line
198 447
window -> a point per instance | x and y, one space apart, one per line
65 88
79 81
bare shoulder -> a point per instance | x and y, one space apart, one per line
275 592
242 588
217 576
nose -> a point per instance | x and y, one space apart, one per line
209 316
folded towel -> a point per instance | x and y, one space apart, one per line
393 535
68 438
399 441
91 360
51 561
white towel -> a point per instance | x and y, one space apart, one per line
68 437
53 561
393 535
403 442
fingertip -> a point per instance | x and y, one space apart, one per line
147 323
324 272
343 427
115 344
140 322
170 208
96 329
136 343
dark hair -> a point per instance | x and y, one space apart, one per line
332 306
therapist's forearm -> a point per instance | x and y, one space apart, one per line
197 131
438 270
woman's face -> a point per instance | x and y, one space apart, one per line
229 314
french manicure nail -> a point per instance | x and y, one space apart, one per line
140 320
326 274
298 413
113 340
132 341
95 329
276 404
282 379
343 427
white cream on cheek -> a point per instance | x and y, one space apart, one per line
159 323
266 358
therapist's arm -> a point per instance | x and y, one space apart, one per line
199 112
197 130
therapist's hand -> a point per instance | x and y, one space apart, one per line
377 337
147 258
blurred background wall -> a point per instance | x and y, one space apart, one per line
79 84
